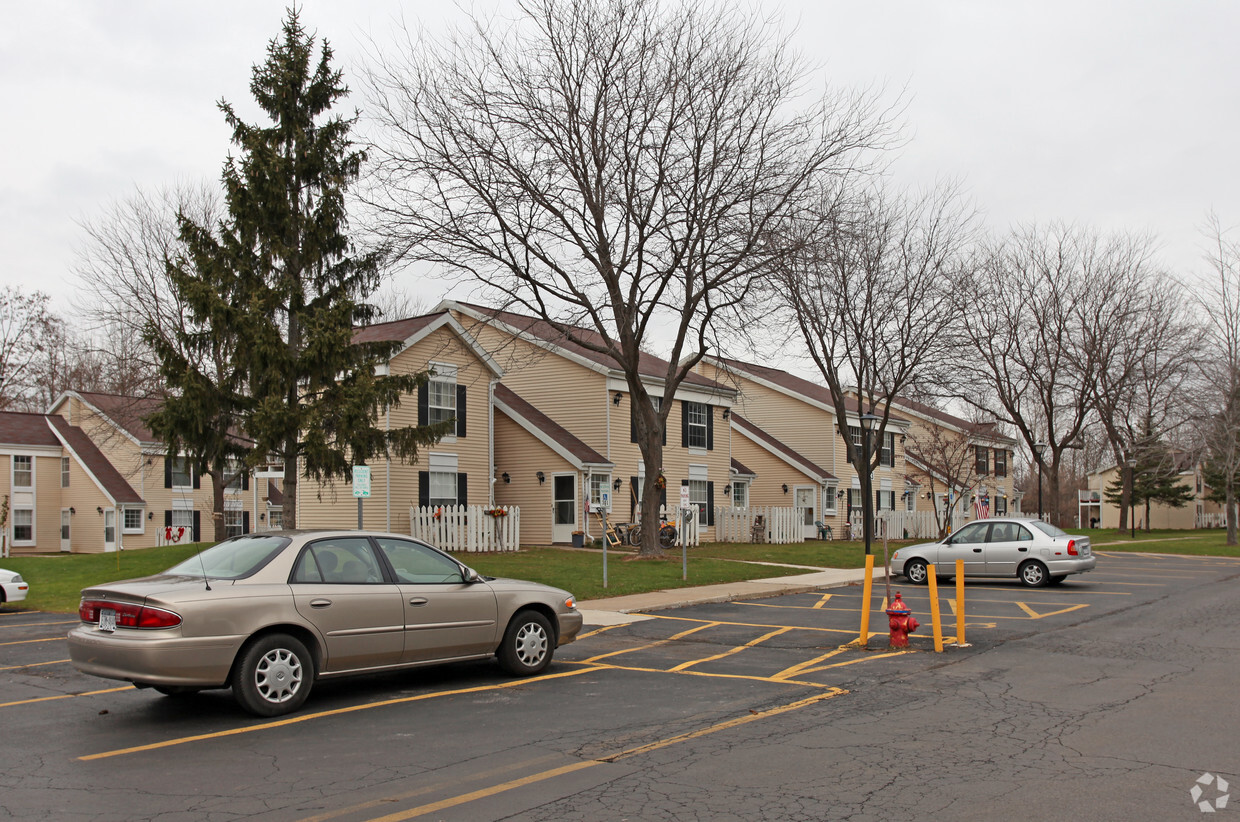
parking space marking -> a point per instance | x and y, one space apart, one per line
686 665
33 664
293 720
823 601
64 696
28 641
654 644
41 624
1035 615
753 716
970 601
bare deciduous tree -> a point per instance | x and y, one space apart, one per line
29 330
869 286
610 165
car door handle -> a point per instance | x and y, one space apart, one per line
419 601
320 603
1022 549
977 550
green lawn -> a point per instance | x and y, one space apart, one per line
55 581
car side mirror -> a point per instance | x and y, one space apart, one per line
470 575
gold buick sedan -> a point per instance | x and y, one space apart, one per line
268 614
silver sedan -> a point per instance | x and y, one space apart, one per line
12 587
268 614
1037 553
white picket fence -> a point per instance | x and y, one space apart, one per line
1215 520
467 528
783 525
905 524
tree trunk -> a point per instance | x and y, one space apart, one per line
217 505
1231 511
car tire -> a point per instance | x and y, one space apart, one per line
917 571
1033 574
528 644
273 675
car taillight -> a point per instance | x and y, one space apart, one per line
128 615
1072 548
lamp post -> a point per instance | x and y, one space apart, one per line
1039 448
1132 496
868 421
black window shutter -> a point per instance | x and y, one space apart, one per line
462 489
460 410
167 519
197 526
710 503
424 404
424 489
710 428
245 522
684 424
193 472
168 473
632 499
245 483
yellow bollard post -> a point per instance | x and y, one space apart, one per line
934 610
960 641
865 600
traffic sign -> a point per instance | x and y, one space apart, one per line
361 481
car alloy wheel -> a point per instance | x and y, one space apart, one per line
1034 575
273 675
917 572
527 645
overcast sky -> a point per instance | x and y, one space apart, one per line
1118 115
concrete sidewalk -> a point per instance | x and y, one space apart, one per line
624 609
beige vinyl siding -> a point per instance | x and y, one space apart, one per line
333 504
522 455
772 472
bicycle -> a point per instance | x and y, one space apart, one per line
667 534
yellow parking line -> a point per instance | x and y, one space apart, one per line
709 623
596 631
64 696
736 650
654 644
609 666
822 601
33 665
40 624
451 802
801 666
865 658
280 723
28 641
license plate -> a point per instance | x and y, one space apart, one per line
107 620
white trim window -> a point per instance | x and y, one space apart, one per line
828 501
183 514
133 521
443 486
600 484
1000 505
740 493
64 472
696 414
182 477
234 523
441 395
910 500
698 492
23 471
23 526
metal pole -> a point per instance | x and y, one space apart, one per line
1039 492
359 513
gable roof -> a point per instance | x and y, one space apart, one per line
126 413
781 450
545 335
981 430
411 330
551 433
19 428
739 468
93 461
787 383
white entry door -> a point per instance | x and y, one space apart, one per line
563 507
806 513
109 529
65 544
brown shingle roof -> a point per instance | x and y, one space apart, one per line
396 330
779 447
274 495
93 460
18 428
129 413
989 430
552 429
648 364
740 468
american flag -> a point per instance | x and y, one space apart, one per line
981 507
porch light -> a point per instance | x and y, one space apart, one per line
99 510
541 477
505 477
616 399
615 485
785 487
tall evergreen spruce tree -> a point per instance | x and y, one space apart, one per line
279 285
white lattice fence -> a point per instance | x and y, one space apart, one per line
783 526
470 528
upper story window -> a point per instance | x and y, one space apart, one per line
1000 462
657 404
441 396
888 455
64 472
697 425
983 460
23 471
854 433
181 473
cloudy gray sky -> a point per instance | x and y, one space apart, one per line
1119 115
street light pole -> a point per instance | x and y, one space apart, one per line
868 421
1039 448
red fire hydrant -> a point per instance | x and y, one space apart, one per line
901 621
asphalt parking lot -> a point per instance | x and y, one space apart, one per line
625 704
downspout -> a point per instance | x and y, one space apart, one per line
387 479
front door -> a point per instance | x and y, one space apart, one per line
804 501
109 529
564 507
65 543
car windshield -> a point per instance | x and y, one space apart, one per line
236 558
1047 528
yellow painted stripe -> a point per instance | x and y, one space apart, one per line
801 666
596 631
28 641
759 624
64 696
455 801
294 720
607 666
822 601
33 665
1035 615
40 624
732 651
865 658
654 644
